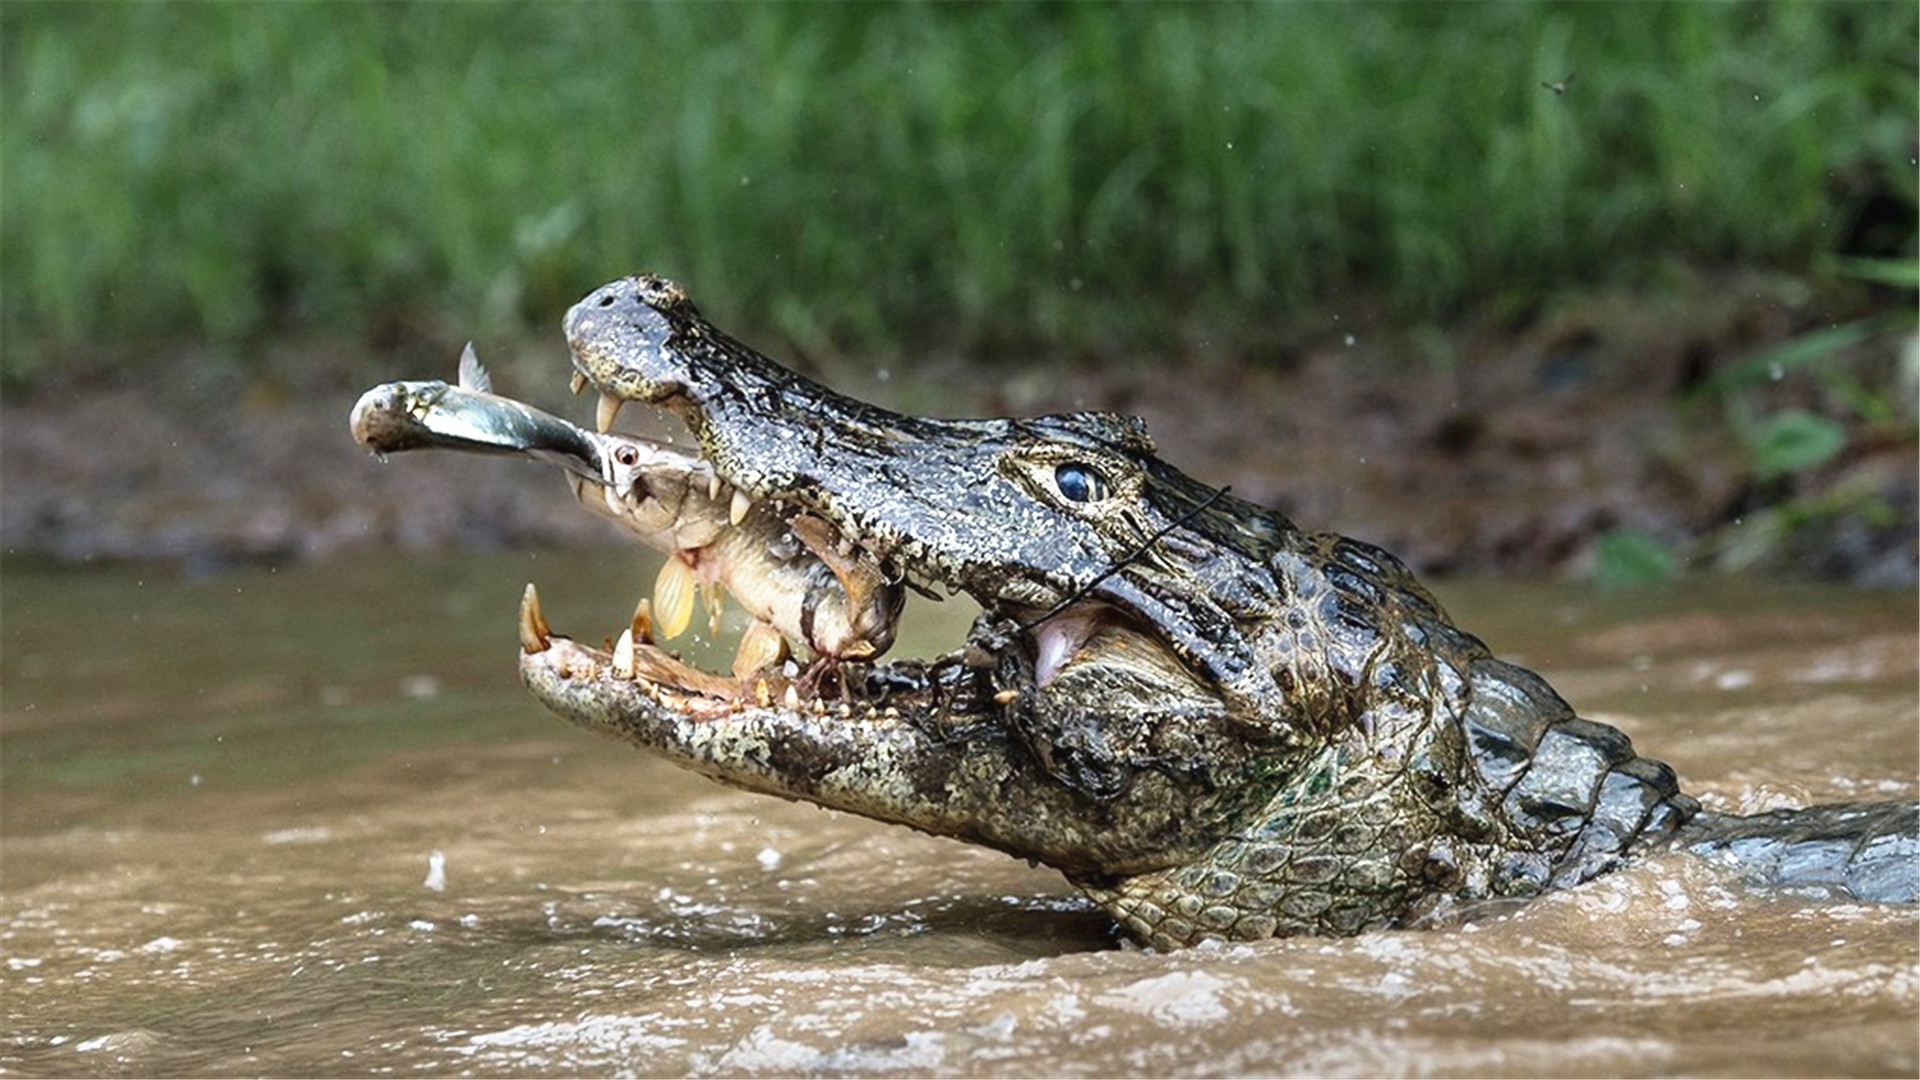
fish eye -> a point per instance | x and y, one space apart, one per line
1079 482
626 455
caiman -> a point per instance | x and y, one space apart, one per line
1214 724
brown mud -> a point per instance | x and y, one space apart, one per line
1498 446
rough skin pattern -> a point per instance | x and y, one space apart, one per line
1215 724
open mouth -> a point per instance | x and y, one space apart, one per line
817 513
820 608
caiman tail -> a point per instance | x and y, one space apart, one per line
1858 851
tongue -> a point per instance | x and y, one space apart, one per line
1056 640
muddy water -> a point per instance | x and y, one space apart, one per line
227 805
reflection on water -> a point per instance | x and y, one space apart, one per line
223 799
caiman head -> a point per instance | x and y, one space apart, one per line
1213 723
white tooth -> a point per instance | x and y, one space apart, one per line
623 654
760 647
673 597
791 699
737 510
762 693
642 621
713 487
577 383
534 635
605 413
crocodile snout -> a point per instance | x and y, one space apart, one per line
619 336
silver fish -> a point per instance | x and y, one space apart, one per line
787 573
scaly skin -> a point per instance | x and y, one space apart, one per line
1213 723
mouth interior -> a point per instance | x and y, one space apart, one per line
819 608
774 558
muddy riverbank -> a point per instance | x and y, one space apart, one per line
1500 446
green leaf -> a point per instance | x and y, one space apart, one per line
1770 364
1630 559
1794 440
1899 273
1751 539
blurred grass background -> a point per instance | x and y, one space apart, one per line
875 178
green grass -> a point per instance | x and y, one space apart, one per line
887 177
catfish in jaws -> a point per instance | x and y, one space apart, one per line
1215 724
790 577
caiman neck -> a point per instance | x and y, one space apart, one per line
1447 779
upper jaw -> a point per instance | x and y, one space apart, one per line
639 339
619 336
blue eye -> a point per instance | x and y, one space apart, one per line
1079 483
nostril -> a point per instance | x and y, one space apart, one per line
606 299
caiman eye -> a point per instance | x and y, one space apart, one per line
1080 483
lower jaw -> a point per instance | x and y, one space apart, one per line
847 689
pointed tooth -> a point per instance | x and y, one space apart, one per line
605 413
535 637
737 509
642 622
791 699
762 693
711 598
714 484
576 384
760 647
673 597
623 655
819 707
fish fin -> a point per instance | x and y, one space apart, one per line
473 373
